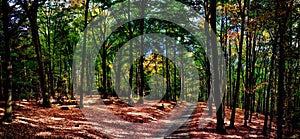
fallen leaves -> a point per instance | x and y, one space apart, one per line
32 121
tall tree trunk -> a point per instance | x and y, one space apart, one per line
208 85
50 71
263 90
89 76
1 81
36 42
82 82
7 63
269 88
217 71
237 87
283 43
104 72
281 90
252 75
230 74
272 95
74 79
168 92
174 79
209 53
281 67
130 101
141 79
247 85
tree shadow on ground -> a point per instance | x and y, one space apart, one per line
32 121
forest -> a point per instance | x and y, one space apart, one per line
166 69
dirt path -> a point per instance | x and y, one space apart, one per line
32 121
183 131
141 121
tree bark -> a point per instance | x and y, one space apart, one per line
7 63
36 42
209 53
141 76
82 90
237 87
269 88
130 101
217 71
283 43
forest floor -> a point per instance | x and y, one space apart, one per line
33 121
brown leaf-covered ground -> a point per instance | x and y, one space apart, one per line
252 130
33 121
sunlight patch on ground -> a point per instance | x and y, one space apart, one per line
167 121
90 101
28 119
60 127
227 122
233 136
57 118
243 131
138 114
70 106
43 134
82 122
241 116
23 122
210 119
208 134
25 102
54 127
253 126
19 104
253 136
82 131
101 109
